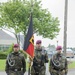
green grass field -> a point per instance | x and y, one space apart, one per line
2 65
71 65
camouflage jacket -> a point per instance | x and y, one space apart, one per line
15 61
58 63
40 57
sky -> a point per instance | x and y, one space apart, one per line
56 8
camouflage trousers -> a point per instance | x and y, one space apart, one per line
54 72
38 71
15 73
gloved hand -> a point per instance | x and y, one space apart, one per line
24 70
7 72
65 74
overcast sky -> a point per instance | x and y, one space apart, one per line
56 8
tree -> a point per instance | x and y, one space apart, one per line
15 14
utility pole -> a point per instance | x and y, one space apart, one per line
65 27
57 42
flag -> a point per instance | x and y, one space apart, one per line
29 40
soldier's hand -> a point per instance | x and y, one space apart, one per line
7 73
24 70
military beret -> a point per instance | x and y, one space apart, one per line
38 42
16 45
58 48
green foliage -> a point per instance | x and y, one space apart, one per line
3 55
15 14
10 49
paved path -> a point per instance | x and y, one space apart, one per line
70 72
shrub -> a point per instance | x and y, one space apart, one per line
10 49
3 55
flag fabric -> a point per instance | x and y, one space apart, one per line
29 40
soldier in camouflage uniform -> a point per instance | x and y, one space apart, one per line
15 62
40 58
58 63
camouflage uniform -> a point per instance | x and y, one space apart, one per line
15 64
38 67
58 65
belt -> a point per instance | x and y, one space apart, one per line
16 69
58 69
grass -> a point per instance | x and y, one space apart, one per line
71 65
2 65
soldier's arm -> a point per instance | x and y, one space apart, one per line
66 66
51 66
46 58
24 64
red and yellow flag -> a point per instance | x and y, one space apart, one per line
29 40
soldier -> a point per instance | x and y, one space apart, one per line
15 62
40 58
58 63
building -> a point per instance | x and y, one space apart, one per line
6 40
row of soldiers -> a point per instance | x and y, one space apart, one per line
16 63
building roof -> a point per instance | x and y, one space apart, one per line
5 36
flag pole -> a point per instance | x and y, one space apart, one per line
30 58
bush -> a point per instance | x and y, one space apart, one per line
3 55
10 49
